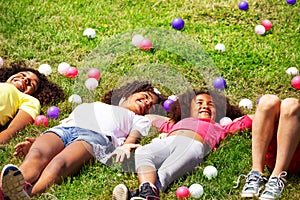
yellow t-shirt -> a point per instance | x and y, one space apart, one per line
12 100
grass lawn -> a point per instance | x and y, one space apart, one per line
51 32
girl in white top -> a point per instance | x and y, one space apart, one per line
91 130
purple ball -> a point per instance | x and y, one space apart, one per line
178 23
219 83
53 112
243 5
291 1
167 104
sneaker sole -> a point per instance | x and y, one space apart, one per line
12 183
120 192
137 198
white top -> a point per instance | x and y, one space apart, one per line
109 120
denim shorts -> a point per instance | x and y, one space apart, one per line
102 146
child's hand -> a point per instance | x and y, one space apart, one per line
22 148
122 151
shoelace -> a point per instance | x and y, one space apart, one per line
277 182
249 179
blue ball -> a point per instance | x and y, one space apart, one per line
167 104
53 112
243 5
219 83
178 23
291 1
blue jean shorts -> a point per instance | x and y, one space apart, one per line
102 146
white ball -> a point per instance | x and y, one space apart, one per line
260 29
196 190
75 98
137 39
210 172
220 47
91 83
292 71
45 69
225 121
173 97
90 33
247 103
63 67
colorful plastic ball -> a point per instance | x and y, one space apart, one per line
243 5
182 192
75 98
146 44
91 83
225 121
137 40
94 73
220 47
178 23
296 82
292 71
45 69
71 72
196 191
63 67
1 62
53 112
267 24
291 1
210 172
41 120
260 29
219 83
246 103
167 104
90 33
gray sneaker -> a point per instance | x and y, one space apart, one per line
274 187
253 185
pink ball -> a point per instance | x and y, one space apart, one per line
296 82
1 62
41 120
94 73
267 24
146 44
71 72
182 192
260 29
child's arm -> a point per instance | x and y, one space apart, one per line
129 144
21 119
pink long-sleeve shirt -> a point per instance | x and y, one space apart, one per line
209 130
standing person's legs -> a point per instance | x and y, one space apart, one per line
263 129
67 162
288 134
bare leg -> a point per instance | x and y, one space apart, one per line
40 154
263 129
67 162
288 134
146 174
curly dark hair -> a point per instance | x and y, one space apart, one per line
180 109
47 91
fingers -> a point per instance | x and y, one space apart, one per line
31 140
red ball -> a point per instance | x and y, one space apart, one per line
267 24
41 120
94 73
182 192
296 82
71 72
146 44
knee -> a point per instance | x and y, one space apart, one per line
56 167
269 102
290 107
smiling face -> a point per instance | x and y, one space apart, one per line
25 81
140 102
202 106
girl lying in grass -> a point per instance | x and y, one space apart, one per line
191 133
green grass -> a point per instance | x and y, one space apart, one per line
51 32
